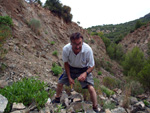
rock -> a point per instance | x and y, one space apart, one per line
147 110
18 106
107 111
76 97
118 91
140 104
133 100
118 110
3 103
142 96
76 107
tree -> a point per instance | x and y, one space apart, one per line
111 50
134 62
138 24
144 75
106 41
57 8
54 6
66 13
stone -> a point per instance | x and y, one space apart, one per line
18 106
133 100
3 103
107 111
118 110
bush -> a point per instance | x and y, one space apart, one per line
144 75
35 25
52 42
56 69
136 87
58 9
107 91
106 41
111 50
6 20
25 91
5 32
55 53
99 73
134 62
111 82
109 105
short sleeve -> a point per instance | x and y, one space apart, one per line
65 55
91 62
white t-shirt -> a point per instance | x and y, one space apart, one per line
83 59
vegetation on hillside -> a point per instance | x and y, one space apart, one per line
26 91
5 33
58 9
119 31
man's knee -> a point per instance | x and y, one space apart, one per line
59 85
91 88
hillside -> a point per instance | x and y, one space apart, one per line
29 53
118 31
139 38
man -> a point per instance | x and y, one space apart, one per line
78 63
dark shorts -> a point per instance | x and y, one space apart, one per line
75 73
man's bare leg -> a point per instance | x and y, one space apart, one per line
93 95
59 90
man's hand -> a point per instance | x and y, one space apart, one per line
82 77
71 81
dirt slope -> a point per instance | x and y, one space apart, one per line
30 52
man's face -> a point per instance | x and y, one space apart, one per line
77 45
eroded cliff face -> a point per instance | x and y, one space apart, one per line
139 38
30 52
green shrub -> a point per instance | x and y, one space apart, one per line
136 87
144 75
52 42
25 91
99 73
55 53
6 20
107 91
58 9
109 105
111 82
106 41
35 25
56 69
5 32
146 103
134 62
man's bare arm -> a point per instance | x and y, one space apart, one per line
67 69
83 76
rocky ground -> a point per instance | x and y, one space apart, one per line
75 103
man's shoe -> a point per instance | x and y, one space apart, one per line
96 110
56 100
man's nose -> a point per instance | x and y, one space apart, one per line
77 46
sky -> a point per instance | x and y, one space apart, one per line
99 12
